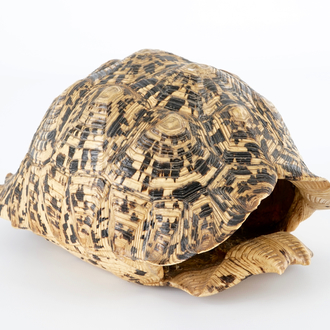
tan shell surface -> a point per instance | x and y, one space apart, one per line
152 161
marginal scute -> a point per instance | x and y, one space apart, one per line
166 172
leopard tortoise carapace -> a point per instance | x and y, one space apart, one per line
166 173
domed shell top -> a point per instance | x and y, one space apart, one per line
153 160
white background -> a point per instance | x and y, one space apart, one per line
280 48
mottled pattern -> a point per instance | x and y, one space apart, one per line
152 160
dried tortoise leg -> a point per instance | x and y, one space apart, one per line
309 197
271 253
8 177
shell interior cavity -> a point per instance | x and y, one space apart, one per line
166 172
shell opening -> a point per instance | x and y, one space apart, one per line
271 216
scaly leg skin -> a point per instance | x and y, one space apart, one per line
271 253
8 176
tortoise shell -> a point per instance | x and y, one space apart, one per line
166 173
